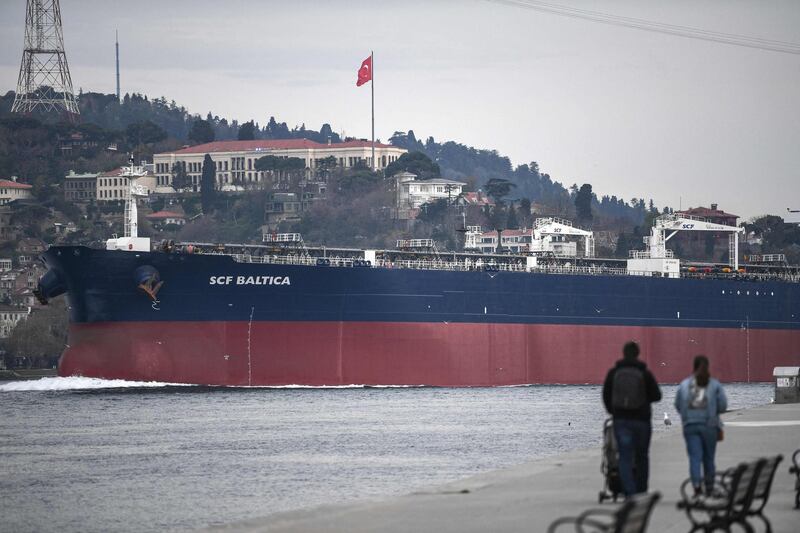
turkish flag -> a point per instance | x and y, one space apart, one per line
365 72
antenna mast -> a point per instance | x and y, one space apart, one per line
44 81
116 33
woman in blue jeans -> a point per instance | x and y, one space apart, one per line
700 400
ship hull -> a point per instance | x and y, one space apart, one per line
374 353
324 326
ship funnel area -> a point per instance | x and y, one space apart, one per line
50 285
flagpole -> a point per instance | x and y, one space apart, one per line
372 62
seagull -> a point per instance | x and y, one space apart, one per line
667 421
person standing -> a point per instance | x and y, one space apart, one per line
700 400
628 391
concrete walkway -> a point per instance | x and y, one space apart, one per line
530 496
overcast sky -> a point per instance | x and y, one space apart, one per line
637 114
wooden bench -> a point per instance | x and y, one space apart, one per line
795 469
741 492
630 517
763 488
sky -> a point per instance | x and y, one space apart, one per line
641 114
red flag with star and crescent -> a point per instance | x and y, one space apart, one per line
365 72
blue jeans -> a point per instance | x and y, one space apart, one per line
633 443
701 445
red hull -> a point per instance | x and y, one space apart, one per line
438 354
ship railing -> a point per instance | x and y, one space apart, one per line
478 265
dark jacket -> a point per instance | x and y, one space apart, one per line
651 388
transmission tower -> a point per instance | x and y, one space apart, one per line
44 80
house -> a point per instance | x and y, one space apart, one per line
162 218
31 246
282 206
411 194
717 216
80 187
476 198
11 190
8 283
64 228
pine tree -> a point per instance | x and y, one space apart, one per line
583 203
208 190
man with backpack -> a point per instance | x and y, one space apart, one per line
628 391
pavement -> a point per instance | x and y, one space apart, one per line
530 496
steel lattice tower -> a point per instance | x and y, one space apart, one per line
44 80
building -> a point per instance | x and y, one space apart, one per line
285 206
114 185
477 198
76 142
550 236
717 216
411 193
11 190
80 187
235 161
5 264
10 317
162 218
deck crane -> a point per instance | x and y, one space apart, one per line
656 258
549 229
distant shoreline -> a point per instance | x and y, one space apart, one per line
31 373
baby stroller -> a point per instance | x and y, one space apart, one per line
609 466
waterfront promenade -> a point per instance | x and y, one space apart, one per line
530 496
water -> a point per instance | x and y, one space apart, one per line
87 455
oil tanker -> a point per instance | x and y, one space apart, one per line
281 313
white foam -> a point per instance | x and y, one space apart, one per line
77 383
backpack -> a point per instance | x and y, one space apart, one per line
628 390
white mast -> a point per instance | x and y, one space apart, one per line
130 240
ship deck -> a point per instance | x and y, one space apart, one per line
466 261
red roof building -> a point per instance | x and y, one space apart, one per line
717 216
167 217
11 190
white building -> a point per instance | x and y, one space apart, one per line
114 185
235 160
11 190
549 236
411 193
10 317
166 218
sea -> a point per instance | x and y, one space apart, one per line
88 455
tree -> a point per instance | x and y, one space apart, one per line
43 335
416 163
499 188
208 183
524 213
268 163
202 132
144 133
511 220
324 166
583 203
247 131
179 178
